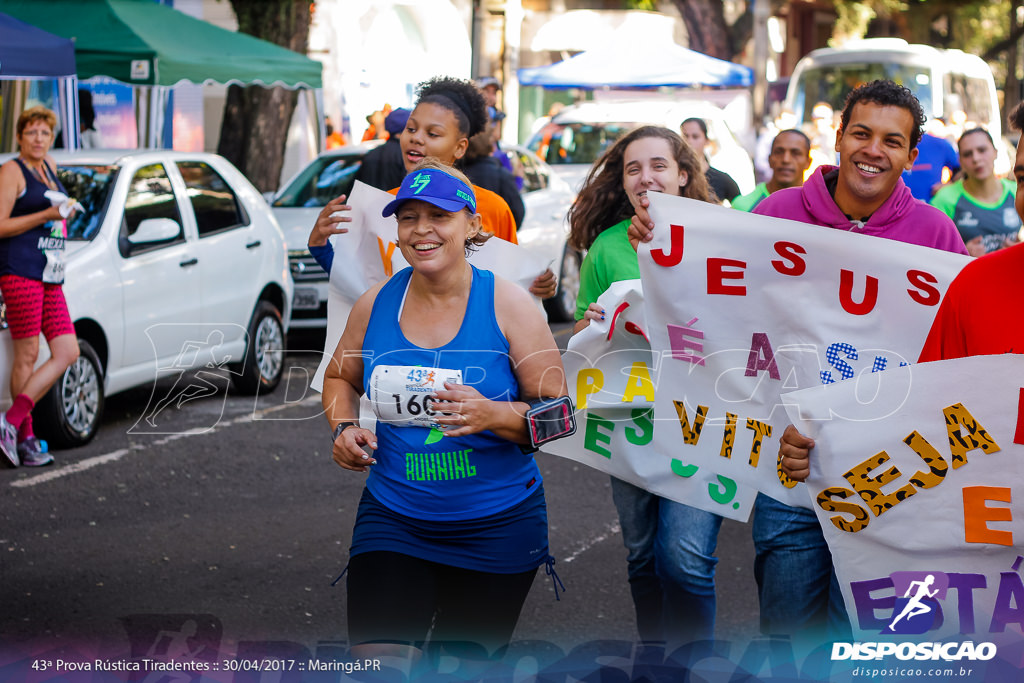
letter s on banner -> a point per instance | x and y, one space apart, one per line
789 251
923 293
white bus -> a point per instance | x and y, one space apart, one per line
951 84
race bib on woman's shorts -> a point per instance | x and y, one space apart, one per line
400 394
53 248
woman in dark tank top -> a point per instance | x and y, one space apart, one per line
31 276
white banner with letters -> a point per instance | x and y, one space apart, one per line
917 478
368 253
742 308
611 373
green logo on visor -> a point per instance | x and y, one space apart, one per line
419 183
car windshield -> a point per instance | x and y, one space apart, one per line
324 179
90 184
576 143
832 84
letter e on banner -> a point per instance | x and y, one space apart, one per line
977 514
717 274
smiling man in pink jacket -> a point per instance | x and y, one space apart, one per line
877 141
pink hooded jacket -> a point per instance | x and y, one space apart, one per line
900 218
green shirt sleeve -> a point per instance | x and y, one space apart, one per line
610 259
590 282
748 201
946 198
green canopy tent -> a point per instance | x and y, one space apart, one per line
142 43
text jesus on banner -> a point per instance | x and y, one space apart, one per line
745 307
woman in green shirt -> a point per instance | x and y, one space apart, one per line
981 204
647 158
670 561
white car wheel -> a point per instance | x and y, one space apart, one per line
70 411
263 365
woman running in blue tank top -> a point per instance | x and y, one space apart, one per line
452 524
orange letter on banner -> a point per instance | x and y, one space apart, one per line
977 514
385 256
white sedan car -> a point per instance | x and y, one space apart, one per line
546 196
176 263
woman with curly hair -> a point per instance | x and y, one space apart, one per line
671 563
448 112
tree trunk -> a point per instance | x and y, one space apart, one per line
256 119
705 24
1011 92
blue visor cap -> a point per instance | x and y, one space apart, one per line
434 187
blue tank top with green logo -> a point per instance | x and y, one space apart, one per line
420 473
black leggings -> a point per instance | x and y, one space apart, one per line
396 598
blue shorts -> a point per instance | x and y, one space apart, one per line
509 542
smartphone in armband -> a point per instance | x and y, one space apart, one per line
549 419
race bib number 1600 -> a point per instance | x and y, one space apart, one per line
400 394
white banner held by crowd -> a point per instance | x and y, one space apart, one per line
610 372
753 307
368 253
917 478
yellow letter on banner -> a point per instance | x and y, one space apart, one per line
870 488
958 421
691 435
639 383
588 381
826 500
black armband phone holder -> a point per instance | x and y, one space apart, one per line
549 419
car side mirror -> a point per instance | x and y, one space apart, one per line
155 230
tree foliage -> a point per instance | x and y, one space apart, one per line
980 27
254 130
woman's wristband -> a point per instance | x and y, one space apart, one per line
342 426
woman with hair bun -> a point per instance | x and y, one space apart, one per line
448 112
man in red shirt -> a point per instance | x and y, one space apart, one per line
980 313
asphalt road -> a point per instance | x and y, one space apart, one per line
218 529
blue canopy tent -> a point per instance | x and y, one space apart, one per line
30 53
624 64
